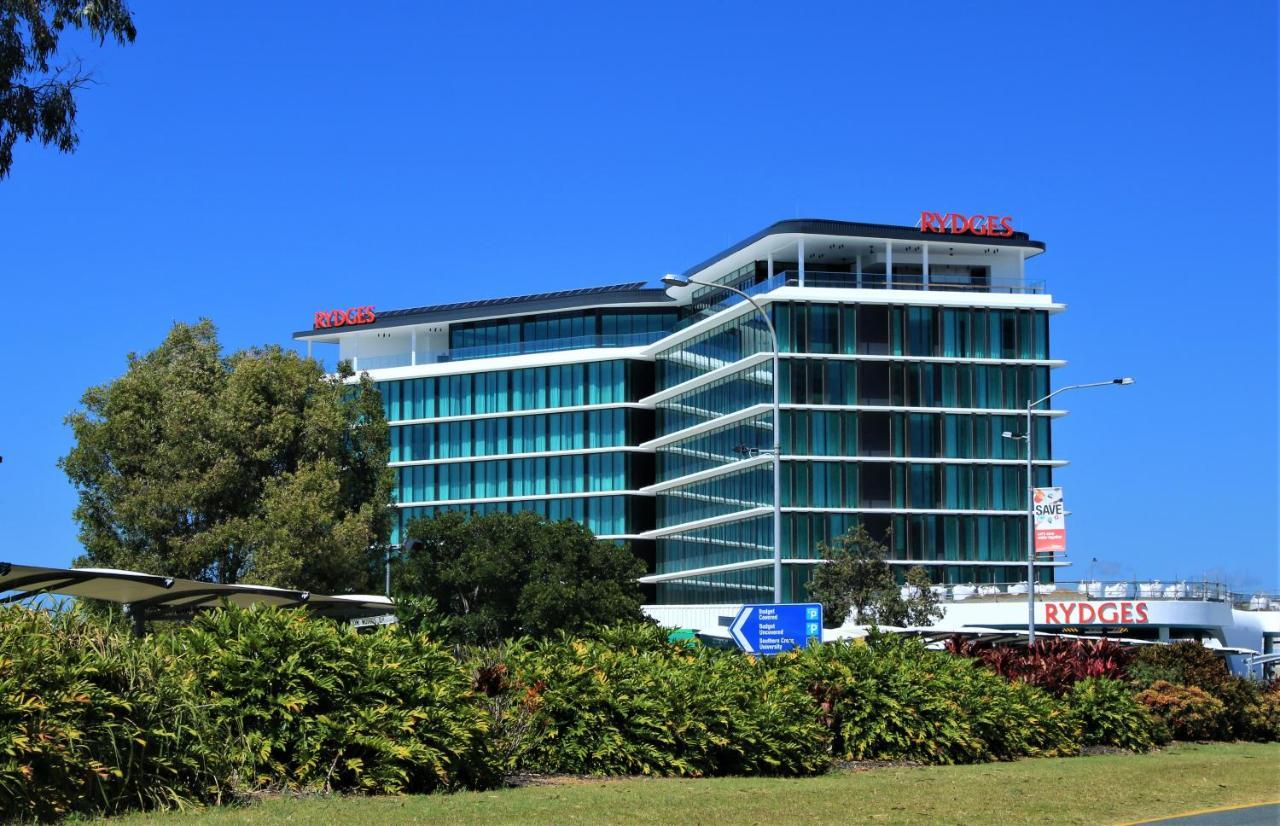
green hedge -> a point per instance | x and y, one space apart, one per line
601 708
893 699
93 721
1109 715
312 705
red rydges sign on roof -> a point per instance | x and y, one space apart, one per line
345 318
957 224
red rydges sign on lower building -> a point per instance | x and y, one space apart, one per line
1119 612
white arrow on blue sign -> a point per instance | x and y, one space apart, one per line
775 628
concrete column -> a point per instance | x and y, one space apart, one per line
800 259
770 262
413 346
308 348
924 252
888 263
857 269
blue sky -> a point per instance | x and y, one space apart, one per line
255 163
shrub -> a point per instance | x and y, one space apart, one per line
1191 713
1108 715
311 704
1022 721
1267 727
892 699
1190 664
590 707
1185 662
91 722
1241 715
1054 664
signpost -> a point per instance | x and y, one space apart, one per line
773 629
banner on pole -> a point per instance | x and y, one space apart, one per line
1050 520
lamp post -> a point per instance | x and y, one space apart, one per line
1031 495
678 281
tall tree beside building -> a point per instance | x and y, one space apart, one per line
37 89
253 467
501 575
857 582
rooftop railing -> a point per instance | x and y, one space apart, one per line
941 282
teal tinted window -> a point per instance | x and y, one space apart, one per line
558 331
602 515
720 346
538 433
715 448
730 493
723 544
714 399
516 477
499 391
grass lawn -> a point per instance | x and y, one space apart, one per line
1093 790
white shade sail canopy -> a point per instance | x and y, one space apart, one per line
160 596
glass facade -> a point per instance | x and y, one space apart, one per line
892 418
893 415
500 391
575 473
499 435
553 326
602 515
460 439
888 330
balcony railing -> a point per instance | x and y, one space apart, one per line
943 282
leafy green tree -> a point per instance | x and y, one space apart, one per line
920 606
502 575
253 467
37 95
857 580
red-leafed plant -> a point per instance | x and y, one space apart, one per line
1052 664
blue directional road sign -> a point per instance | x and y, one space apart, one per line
772 629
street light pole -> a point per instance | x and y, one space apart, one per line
1031 496
677 281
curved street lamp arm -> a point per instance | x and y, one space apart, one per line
768 322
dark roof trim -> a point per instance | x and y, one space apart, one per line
633 292
854 229
518 299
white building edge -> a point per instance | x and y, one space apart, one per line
1246 628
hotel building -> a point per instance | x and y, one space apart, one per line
646 413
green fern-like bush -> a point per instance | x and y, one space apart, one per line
893 699
310 704
92 722
608 708
1109 715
